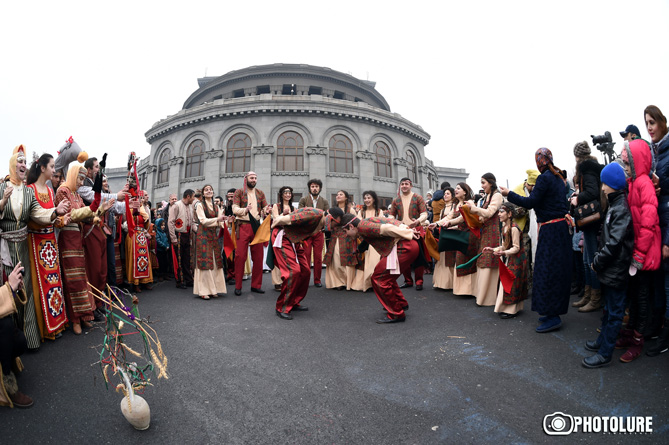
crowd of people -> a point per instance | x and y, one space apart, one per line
65 236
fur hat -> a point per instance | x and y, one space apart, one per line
582 149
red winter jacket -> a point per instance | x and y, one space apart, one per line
643 205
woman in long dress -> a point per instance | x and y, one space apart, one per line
44 265
137 256
552 269
341 257
508 304
465 279
79 300
283 206
208 280
18 206
487 264
363 277
444 270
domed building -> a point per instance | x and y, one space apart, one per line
288 123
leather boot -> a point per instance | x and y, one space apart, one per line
594 303
625 339
635 350
662 344
585 300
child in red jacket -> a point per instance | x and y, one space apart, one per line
646 257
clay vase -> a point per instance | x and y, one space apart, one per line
137 412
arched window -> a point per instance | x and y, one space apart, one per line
382 163
412 170
195 159
290 152
164 167
239 154
341 154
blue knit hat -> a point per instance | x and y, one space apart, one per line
613 175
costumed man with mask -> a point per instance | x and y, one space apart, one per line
397 245
289 236
249 202
17 205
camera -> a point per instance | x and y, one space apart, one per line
558 424
604 143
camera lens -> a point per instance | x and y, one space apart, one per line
558 424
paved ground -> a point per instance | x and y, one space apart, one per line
453 373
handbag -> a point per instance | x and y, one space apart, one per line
587 214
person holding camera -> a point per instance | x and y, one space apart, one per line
589 186
12 340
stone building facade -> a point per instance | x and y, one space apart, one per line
288 123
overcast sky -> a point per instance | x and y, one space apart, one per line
490 81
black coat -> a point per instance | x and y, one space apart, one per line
589 186
614 257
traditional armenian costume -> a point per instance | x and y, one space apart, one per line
552 269
45 270
21 207
341 258
487 265
444 270
314 245
465 279
245 233
370 258
209 278
407 208
398 250
137 260
288 239
79 300
517 263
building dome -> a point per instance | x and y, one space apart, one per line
288 123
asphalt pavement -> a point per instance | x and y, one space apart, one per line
452 373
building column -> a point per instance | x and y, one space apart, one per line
212 169
262 164
366 169
175 176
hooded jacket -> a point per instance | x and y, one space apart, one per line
616 244
161 236
643 205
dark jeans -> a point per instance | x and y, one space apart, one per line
589 251
12 343
612 320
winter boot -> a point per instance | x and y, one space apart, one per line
17 398
625 339
662 344
585 300
594 303
635 350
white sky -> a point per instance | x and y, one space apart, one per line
490 81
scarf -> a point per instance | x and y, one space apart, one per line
19 152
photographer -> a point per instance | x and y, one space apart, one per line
12 341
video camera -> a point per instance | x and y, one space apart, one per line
604 143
